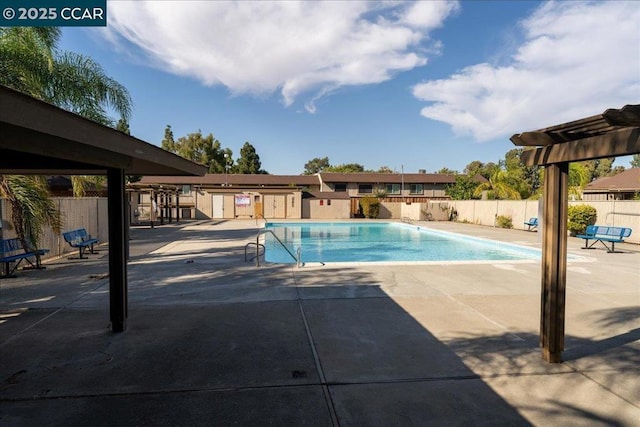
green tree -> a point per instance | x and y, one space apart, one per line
168 143
579 177
249 161
385 169
599 168
31 63
123 126
31 207
446 170
635 161
316 165
463 188
476 167
205 150
617 169
526 179
346 168
498 187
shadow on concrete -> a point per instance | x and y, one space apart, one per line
223 343
249 363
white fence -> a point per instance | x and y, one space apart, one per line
619 213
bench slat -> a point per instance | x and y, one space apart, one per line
603 233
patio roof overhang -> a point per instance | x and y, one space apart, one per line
613 133
616 132
39 138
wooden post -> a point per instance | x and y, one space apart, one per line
177 207
554 261
117 251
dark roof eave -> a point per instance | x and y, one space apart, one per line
30 128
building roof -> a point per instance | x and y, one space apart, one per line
388 178
239 180
628 180
248 180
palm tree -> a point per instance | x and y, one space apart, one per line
31 208
31 63
498 186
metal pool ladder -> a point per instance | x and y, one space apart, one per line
297 258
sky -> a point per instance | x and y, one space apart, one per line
407 85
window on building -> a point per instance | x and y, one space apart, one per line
416 189
328 202
393 188
186 190
341 188
365 188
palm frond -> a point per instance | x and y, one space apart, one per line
31 205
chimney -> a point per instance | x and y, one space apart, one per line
422 171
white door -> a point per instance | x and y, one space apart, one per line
217 206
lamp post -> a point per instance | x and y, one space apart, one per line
402 182
226 168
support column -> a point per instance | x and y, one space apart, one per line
554 261
177 207
127 224
154 207
117 250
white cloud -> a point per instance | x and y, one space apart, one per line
577 59
295 47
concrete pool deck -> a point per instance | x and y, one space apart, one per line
214 340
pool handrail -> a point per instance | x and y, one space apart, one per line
297 259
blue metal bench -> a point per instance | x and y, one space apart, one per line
531 224
14 253
602 234
82 240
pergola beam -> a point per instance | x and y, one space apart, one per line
621 142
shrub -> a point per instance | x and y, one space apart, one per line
579 217
504 221
370 206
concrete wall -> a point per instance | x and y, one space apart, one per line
329 209
619 213
390 210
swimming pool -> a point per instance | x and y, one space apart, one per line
383 242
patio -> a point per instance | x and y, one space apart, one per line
213 340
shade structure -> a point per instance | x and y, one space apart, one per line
615 132
39 138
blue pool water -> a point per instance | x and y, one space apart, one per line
381 242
